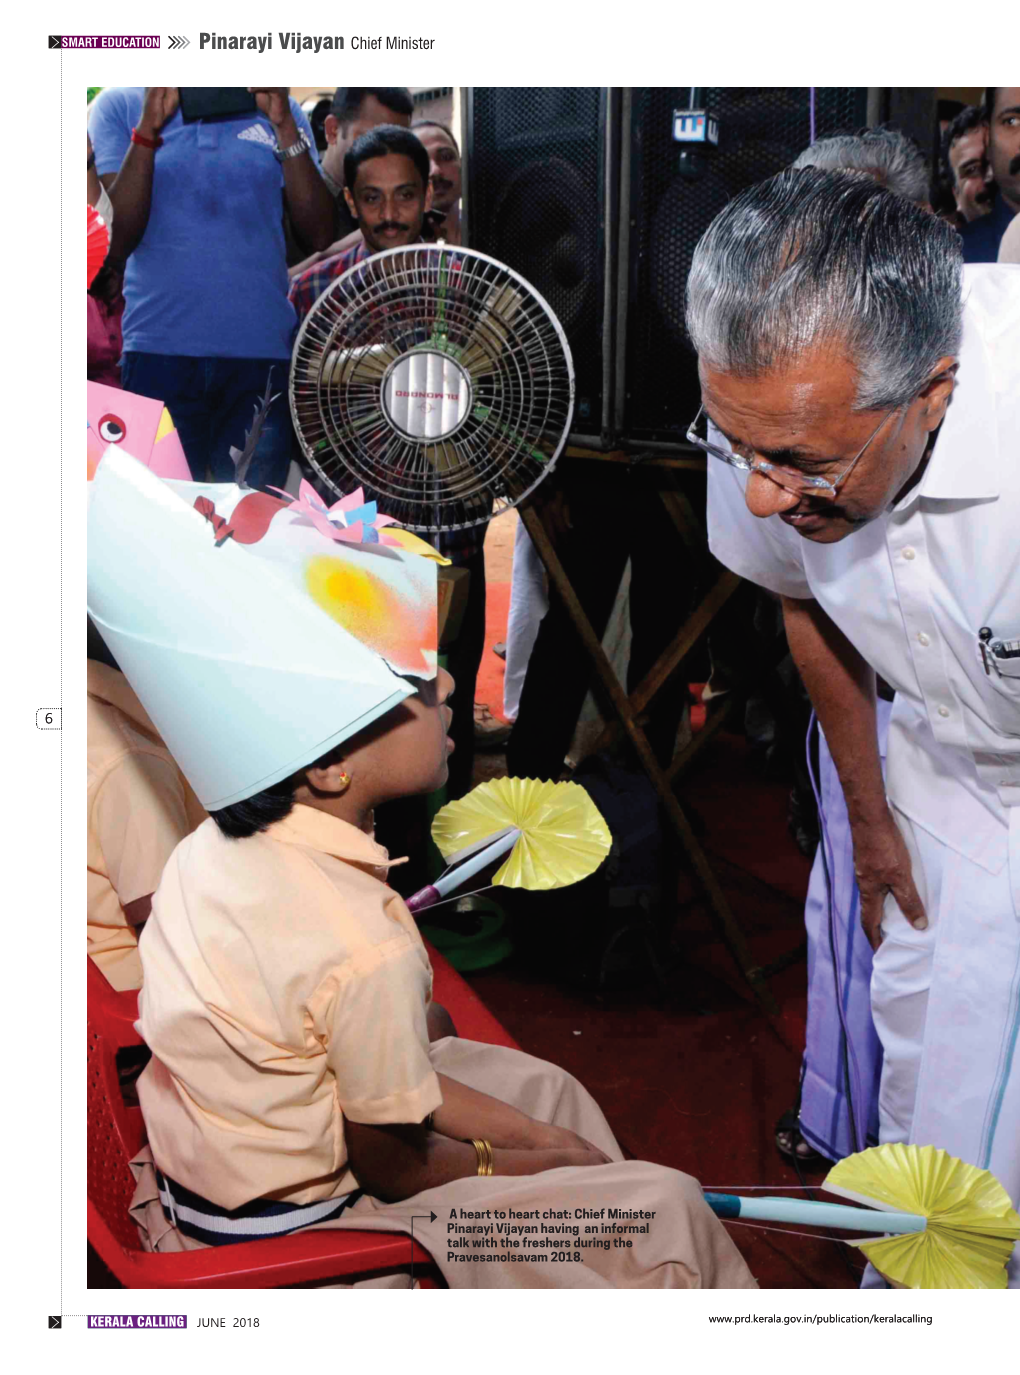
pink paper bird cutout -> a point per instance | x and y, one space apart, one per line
352 519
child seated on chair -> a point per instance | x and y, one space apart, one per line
139 807
286 988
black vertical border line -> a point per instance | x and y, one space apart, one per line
60 485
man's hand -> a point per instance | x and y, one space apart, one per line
882 865
274 102
158 106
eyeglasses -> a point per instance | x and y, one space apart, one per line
803 484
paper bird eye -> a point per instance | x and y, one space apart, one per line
112 428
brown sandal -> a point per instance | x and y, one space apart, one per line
791 1145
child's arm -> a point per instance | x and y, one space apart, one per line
395 1162
466 1114
438 1022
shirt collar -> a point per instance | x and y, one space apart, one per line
320 831
964 465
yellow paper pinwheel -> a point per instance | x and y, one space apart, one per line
971 1224
563 837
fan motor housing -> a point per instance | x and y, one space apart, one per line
426 395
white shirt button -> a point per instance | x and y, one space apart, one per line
922 639
943 711
909 553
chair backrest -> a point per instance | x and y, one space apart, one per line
114 1013
115 1133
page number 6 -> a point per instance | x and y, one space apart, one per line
47 718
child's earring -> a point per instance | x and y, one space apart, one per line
344 780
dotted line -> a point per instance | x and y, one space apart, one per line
61 680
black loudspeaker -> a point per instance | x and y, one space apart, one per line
540 195
761 131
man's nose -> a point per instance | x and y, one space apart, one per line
446 685
766 498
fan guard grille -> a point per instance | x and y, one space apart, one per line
437 379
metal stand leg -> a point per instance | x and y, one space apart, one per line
625 713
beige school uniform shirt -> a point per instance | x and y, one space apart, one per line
285 987
139 807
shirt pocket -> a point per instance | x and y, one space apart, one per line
1003 683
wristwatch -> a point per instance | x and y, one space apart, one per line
295 150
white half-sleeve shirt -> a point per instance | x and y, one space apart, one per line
912 589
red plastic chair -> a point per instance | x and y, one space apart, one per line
116 1133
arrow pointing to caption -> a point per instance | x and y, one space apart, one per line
178 41
431 1218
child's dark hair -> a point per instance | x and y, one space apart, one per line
272 804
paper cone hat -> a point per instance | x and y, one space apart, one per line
142 426
255 642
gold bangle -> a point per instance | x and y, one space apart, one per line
483 1150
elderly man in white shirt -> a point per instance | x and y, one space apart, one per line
862 410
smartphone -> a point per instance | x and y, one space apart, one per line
215 102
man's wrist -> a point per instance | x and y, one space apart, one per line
873 817
287 132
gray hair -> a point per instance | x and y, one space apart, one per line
811 256
889 156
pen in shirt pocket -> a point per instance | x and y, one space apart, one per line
995 653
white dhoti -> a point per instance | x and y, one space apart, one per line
946 1004
529 601
684 1246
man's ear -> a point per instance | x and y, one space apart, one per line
350 202
331 127
334 779
938 390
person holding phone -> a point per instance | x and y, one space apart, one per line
199 183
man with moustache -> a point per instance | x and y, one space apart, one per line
861 401
355 111
966 156
388 191
981 238
445 176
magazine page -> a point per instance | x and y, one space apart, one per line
550 718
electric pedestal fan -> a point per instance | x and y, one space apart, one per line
438 380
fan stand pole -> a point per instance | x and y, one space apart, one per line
626 713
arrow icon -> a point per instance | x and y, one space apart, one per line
178 41
431 1218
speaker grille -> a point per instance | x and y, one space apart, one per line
762 129
536 162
